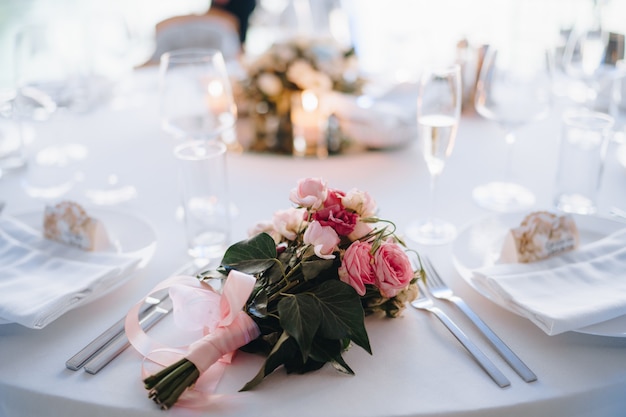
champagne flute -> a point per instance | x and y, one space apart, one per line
438 115
513 90
196 95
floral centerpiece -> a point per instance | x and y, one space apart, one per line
292 66
312 274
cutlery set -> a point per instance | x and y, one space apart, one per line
113 341
437 288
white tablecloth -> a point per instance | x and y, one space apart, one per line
417 367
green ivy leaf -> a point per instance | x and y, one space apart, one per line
300 317
258 305
313 267
284 349
342 314
326 350
251 256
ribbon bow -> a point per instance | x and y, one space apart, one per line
196 305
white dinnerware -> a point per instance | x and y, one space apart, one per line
43 279
478 247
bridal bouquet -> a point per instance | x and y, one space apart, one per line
305 280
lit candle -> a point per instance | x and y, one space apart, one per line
307 120
220 105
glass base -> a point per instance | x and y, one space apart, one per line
107 190
503 197
208 244
431 232
575 203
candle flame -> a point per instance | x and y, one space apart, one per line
215 88
309 100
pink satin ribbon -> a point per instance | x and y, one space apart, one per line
197 305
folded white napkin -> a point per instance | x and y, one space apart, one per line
567 292
41 279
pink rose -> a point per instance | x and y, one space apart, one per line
392 268
361 229
338 218
323 238
360 202
289 222
356 267
310 193
333 197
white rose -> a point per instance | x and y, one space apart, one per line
300 72
289 222
265 227
269 84
321 82
360 202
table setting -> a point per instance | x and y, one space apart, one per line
294 245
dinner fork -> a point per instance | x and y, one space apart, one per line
438 289
423 302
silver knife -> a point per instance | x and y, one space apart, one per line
116 332
120 342
107 337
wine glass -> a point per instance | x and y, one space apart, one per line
196 99
196 96
49 71
438 114
617 105
587 59
513 90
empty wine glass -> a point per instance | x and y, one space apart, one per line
617 105
587 59
50 72
513 90
196 96
438 114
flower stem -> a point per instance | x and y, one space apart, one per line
168 385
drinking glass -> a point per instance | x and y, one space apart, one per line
204 194
587 59
584 140
196 96
50 71
438 114
513 90
617 105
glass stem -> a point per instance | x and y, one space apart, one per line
433 196
510 144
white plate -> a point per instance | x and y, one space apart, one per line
478 244
128 233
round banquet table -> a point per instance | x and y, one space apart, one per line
417 367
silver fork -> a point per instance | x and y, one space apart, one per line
423 302
439 289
